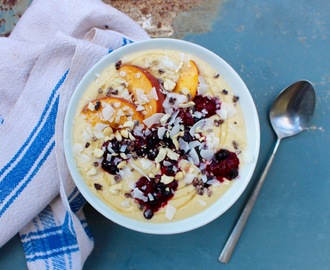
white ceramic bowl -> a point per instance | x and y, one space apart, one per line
250 116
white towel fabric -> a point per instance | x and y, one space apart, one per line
53 45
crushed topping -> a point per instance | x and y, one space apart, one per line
174 146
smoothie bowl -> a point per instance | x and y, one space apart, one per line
161 136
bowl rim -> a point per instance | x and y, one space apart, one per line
253 137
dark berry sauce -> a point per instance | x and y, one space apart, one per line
157 194
146 144
224 165
206 105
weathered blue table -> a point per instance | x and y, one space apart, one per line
270 44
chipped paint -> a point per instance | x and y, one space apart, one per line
10 12
171 18
159 18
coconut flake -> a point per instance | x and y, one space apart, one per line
231 111
154 119
100 126
201 79
125 204
125 173
202 89
173 100
77 148
98 134
198 124
194 144
160 132
223 113
86 136
212 142
173 118
201 202
153 94
207 154
107 111
184 145
188 178
194 156
146 163
170 212
175 130
139 170
83 158
167 163
138 194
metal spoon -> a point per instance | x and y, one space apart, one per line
290 113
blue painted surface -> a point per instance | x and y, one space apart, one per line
270 44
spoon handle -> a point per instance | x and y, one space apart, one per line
230 245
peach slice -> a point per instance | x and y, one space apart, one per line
188 81
145 89
112 111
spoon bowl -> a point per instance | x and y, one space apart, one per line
290 114
293 109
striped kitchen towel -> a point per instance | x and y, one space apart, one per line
53 45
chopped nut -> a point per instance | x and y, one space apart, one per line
118 136
186 105
107 131
176 142
172 155
123 155
130 135
98 153
129 124
166 179
161 155
122 164
109 138
179 176
124 133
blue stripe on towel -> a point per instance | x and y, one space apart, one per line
77 203
43 114
34 172
26 163
51 241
